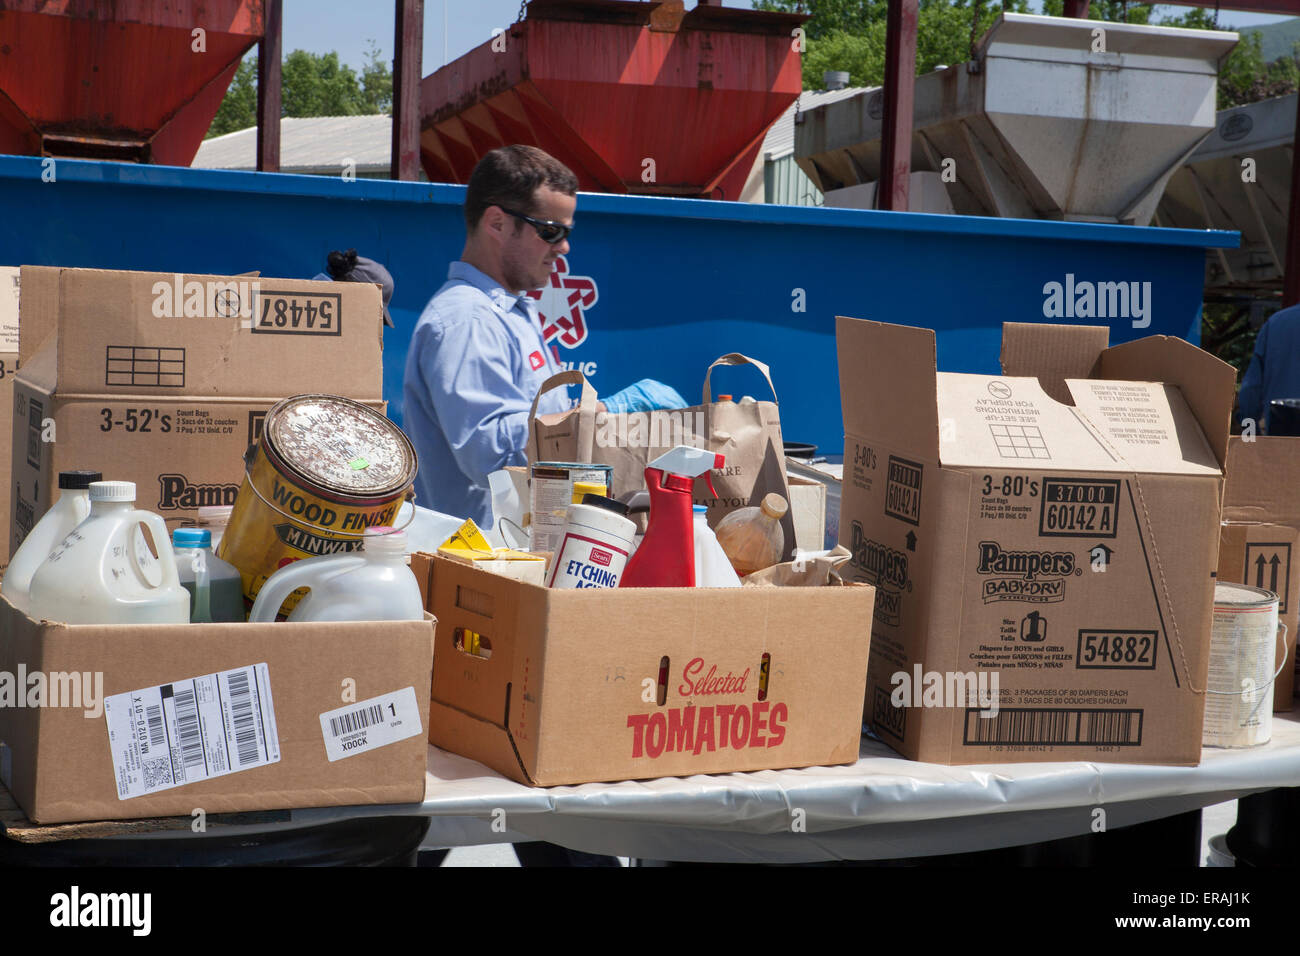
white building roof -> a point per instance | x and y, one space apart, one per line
310 144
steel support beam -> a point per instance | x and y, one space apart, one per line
900 83
408 44
268 90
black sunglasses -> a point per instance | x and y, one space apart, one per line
548 230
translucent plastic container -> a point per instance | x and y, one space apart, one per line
104 571
373 584
70 510
712 569
752 537
216 589
214 518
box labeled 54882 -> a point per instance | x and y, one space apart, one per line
1043 542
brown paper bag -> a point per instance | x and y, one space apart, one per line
816 570
747 435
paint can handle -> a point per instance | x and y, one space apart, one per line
332 532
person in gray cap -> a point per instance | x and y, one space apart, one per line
350 267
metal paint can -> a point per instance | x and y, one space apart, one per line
324 469
1239 691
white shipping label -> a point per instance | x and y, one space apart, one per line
187 731
370 724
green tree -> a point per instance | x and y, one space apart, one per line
376 82
850 34
316 85
311 85
1111 11
239 108
1246 78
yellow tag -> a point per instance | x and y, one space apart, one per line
468 542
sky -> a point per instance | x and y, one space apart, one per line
320 26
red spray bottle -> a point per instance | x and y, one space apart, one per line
666 557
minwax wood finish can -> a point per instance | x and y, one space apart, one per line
1243 642
325 469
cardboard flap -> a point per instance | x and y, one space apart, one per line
1148 426
1207 384
40 371
201 335
1052 353
9 292
38 303
887 384
992 421
1263 476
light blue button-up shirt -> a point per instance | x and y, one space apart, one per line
475 363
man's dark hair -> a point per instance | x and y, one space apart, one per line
509 176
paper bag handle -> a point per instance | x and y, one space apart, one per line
735 358
586 413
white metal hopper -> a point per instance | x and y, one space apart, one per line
1239 178
1055 118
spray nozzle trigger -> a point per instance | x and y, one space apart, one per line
708 480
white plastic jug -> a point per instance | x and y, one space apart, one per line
373 584
712 569
103 571
69 511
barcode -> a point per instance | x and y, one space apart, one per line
35 418
187 724
153 714
1062 727
356 720
241 706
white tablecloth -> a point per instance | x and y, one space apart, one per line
878 808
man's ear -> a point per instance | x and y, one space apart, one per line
493 223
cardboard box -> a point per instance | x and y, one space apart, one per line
59 761
164 379
1261 530
630 683
1054 529
829 476
808 506
8 366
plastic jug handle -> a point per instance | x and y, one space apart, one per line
162 543
306 573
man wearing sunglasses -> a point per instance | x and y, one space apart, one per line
477 357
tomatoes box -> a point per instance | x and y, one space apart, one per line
553 687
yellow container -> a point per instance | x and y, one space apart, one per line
325 469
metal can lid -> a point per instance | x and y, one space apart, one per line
1229 595
340 446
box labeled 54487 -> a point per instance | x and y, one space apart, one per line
1043 541
164 379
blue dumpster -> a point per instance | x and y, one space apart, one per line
653 286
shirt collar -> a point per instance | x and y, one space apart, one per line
486 284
